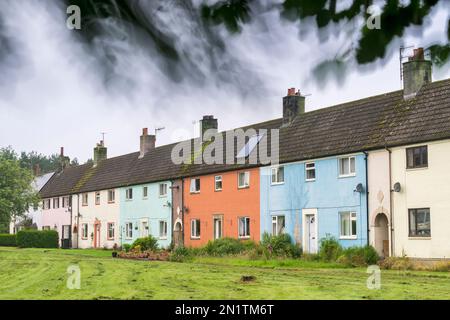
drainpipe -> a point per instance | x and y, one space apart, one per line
78 221
182 210
391 198
71 227
366 159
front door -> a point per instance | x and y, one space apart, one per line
144 229
310 231
97 233
217 228
65 239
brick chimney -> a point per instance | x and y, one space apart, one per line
100 153
293 105
37 170
208 122
416 73
147 142
64 161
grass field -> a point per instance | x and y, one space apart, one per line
42 274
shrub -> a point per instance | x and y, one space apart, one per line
147 243
359 256
280 245
37 239
227 246
180 254
126 247
330 249
8 240
397 263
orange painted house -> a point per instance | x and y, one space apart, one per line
222 205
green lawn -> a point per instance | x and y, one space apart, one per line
42 274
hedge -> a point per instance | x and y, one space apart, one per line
8 240
37 239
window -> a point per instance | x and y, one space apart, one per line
195 229
348 225
66 202
46 204
145 192
163 189
310 169
163 229
417 157
55 203
195 185
97 198
111 196
250 145
243 179
244 227
277 175
84 199
129 194
218 183
45 227
278 225
128 230
347 167
84 231
419 222
111 231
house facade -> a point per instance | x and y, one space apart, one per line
317 198
421 200
56 215
146 210
224 204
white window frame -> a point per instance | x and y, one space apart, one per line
163 187
97 198
312 168
84 231
145 192
216 180
85 199
275 220
129 194
56 201
128 230
246 179
352 217
276 170
194 228
111 196
246 221
47 203
350 174
193 185
111 227
163 236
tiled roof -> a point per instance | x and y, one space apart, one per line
372 123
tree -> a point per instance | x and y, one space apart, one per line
17 194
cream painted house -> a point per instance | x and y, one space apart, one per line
96 215
421 208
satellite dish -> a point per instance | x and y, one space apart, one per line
397 187
359 188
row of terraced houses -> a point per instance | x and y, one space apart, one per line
372 171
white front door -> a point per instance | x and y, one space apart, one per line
310 240
144 229
217 228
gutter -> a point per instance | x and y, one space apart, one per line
391 200
366 159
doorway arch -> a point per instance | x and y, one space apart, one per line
178 234
382 235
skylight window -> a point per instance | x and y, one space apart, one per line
250 146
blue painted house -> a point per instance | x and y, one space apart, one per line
146 210
312 199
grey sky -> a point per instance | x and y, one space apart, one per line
53 93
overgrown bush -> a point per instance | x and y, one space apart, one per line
8 240
359 256
330 249
180 254
227 246
144 244
37 239
126 247
397 263
280 245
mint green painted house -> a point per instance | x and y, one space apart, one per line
146 210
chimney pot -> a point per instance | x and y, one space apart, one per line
62 152
145 131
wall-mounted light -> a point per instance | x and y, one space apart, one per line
359 188
397 187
